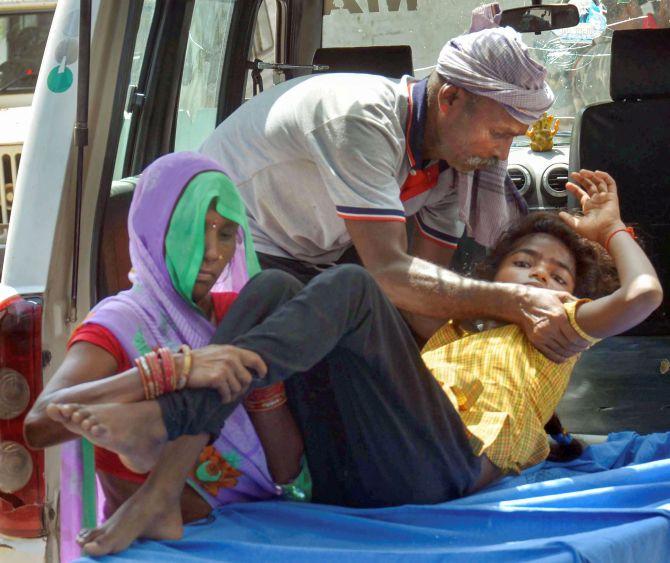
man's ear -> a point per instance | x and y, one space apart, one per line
447 95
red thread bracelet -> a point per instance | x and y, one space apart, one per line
629 230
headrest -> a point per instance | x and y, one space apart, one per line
392 61
640 66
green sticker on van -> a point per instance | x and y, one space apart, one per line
60 79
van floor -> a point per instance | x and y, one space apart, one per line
620 384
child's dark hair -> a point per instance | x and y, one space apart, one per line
595 271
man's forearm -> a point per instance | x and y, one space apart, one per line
422 288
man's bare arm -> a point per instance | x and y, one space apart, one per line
442 255
423 288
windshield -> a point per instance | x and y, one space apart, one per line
22 41
577 58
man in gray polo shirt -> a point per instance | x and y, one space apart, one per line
331 161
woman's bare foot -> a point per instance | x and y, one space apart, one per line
132 430
146 514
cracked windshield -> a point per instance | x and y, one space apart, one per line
577 58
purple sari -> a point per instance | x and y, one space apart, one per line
153 314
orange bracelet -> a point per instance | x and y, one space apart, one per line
185 349
629 230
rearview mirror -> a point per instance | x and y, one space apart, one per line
535 19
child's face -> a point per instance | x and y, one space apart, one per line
539 260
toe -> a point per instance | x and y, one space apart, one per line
98 430
88 423
103 545
68 409
86 535
55 412
79 415
95 548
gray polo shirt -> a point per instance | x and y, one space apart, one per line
311 152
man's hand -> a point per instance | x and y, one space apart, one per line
544 320
226 369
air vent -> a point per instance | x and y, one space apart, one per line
521 178
554 180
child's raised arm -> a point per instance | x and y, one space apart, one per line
640 292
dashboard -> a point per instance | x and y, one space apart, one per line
540 177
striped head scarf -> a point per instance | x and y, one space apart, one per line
494 63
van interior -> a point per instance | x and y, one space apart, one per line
165 73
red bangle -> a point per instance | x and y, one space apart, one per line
156 372
266 398
167 362
629 230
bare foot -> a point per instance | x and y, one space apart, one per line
135 431
146 514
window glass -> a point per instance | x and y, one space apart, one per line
23 38
148 10
263 45
201 77
577 58
360 23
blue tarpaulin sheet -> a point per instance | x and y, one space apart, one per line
610 505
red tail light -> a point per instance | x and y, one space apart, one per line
22 487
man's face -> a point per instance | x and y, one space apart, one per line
472 132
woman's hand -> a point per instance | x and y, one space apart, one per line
600 204
227 369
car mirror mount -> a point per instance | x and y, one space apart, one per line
540 17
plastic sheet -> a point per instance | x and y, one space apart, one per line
610 505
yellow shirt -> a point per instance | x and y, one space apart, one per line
505 390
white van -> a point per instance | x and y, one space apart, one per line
24 27
163 74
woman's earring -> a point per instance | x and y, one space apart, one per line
220 256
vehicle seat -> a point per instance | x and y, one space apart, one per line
114 263
629 138
393 61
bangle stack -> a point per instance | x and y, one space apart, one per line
266 398
158 372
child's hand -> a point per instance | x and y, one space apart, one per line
226 369
600 204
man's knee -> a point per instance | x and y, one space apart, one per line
354 276
275 284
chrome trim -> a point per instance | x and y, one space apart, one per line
545 180
527 177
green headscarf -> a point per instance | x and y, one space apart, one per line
185 239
